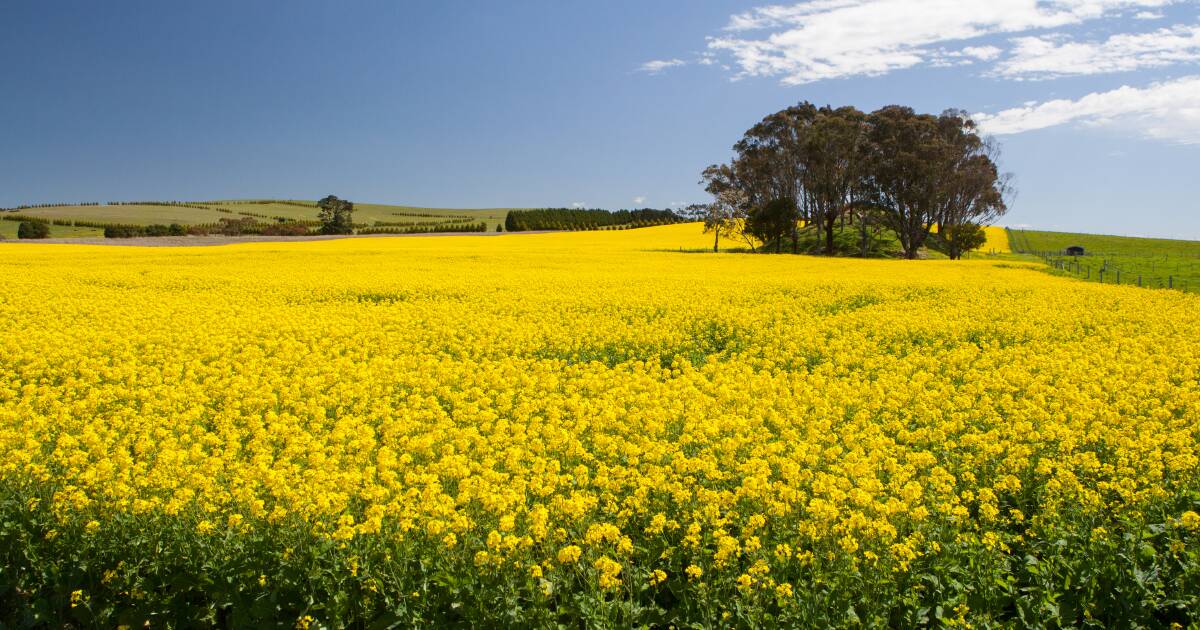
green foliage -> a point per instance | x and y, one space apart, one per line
955 240
579 219
33 229
335 215
773 221
912 171
285 229
1073 571
433 228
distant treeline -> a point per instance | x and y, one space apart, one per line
225 227
171 204
264 202
200 205
408 223
49 205
580 219
428 214
426 229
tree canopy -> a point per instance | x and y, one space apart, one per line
892 168
335 215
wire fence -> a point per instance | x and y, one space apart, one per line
1157 270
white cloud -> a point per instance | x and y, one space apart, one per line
824 39
982 53
1050 57
658 65
943 58
1148 15
578 204
639 199
1167 111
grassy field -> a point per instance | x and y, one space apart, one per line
213 211
8 230
1148 262
589 429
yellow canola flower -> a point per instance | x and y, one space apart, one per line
569 554
608 570
533 396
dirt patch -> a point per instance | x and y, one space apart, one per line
201 241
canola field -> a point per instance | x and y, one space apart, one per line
593 428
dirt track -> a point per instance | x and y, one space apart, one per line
201 241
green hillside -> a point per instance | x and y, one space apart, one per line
1129 260
8 230
92 218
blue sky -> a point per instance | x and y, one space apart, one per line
1096 103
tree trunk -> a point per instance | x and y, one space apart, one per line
829 238
716 239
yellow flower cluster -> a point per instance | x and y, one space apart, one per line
615 403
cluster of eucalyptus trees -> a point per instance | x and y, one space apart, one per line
930 180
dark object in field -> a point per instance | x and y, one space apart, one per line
33 229
335 215
1075 250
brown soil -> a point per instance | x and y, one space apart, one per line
199 241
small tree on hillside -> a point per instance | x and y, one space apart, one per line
955 240
726 215
773 221
33 229
335 215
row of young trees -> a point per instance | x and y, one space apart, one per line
48 205
439 228
584 219
892 169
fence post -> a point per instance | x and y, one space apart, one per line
1139 280
1170 282
1118 276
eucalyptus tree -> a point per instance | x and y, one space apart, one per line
335 215
726 214
893 169
834 155
973 193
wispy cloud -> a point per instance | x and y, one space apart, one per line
1049 57
658 65
578 204
639 199
1167 111
983 53
826 39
